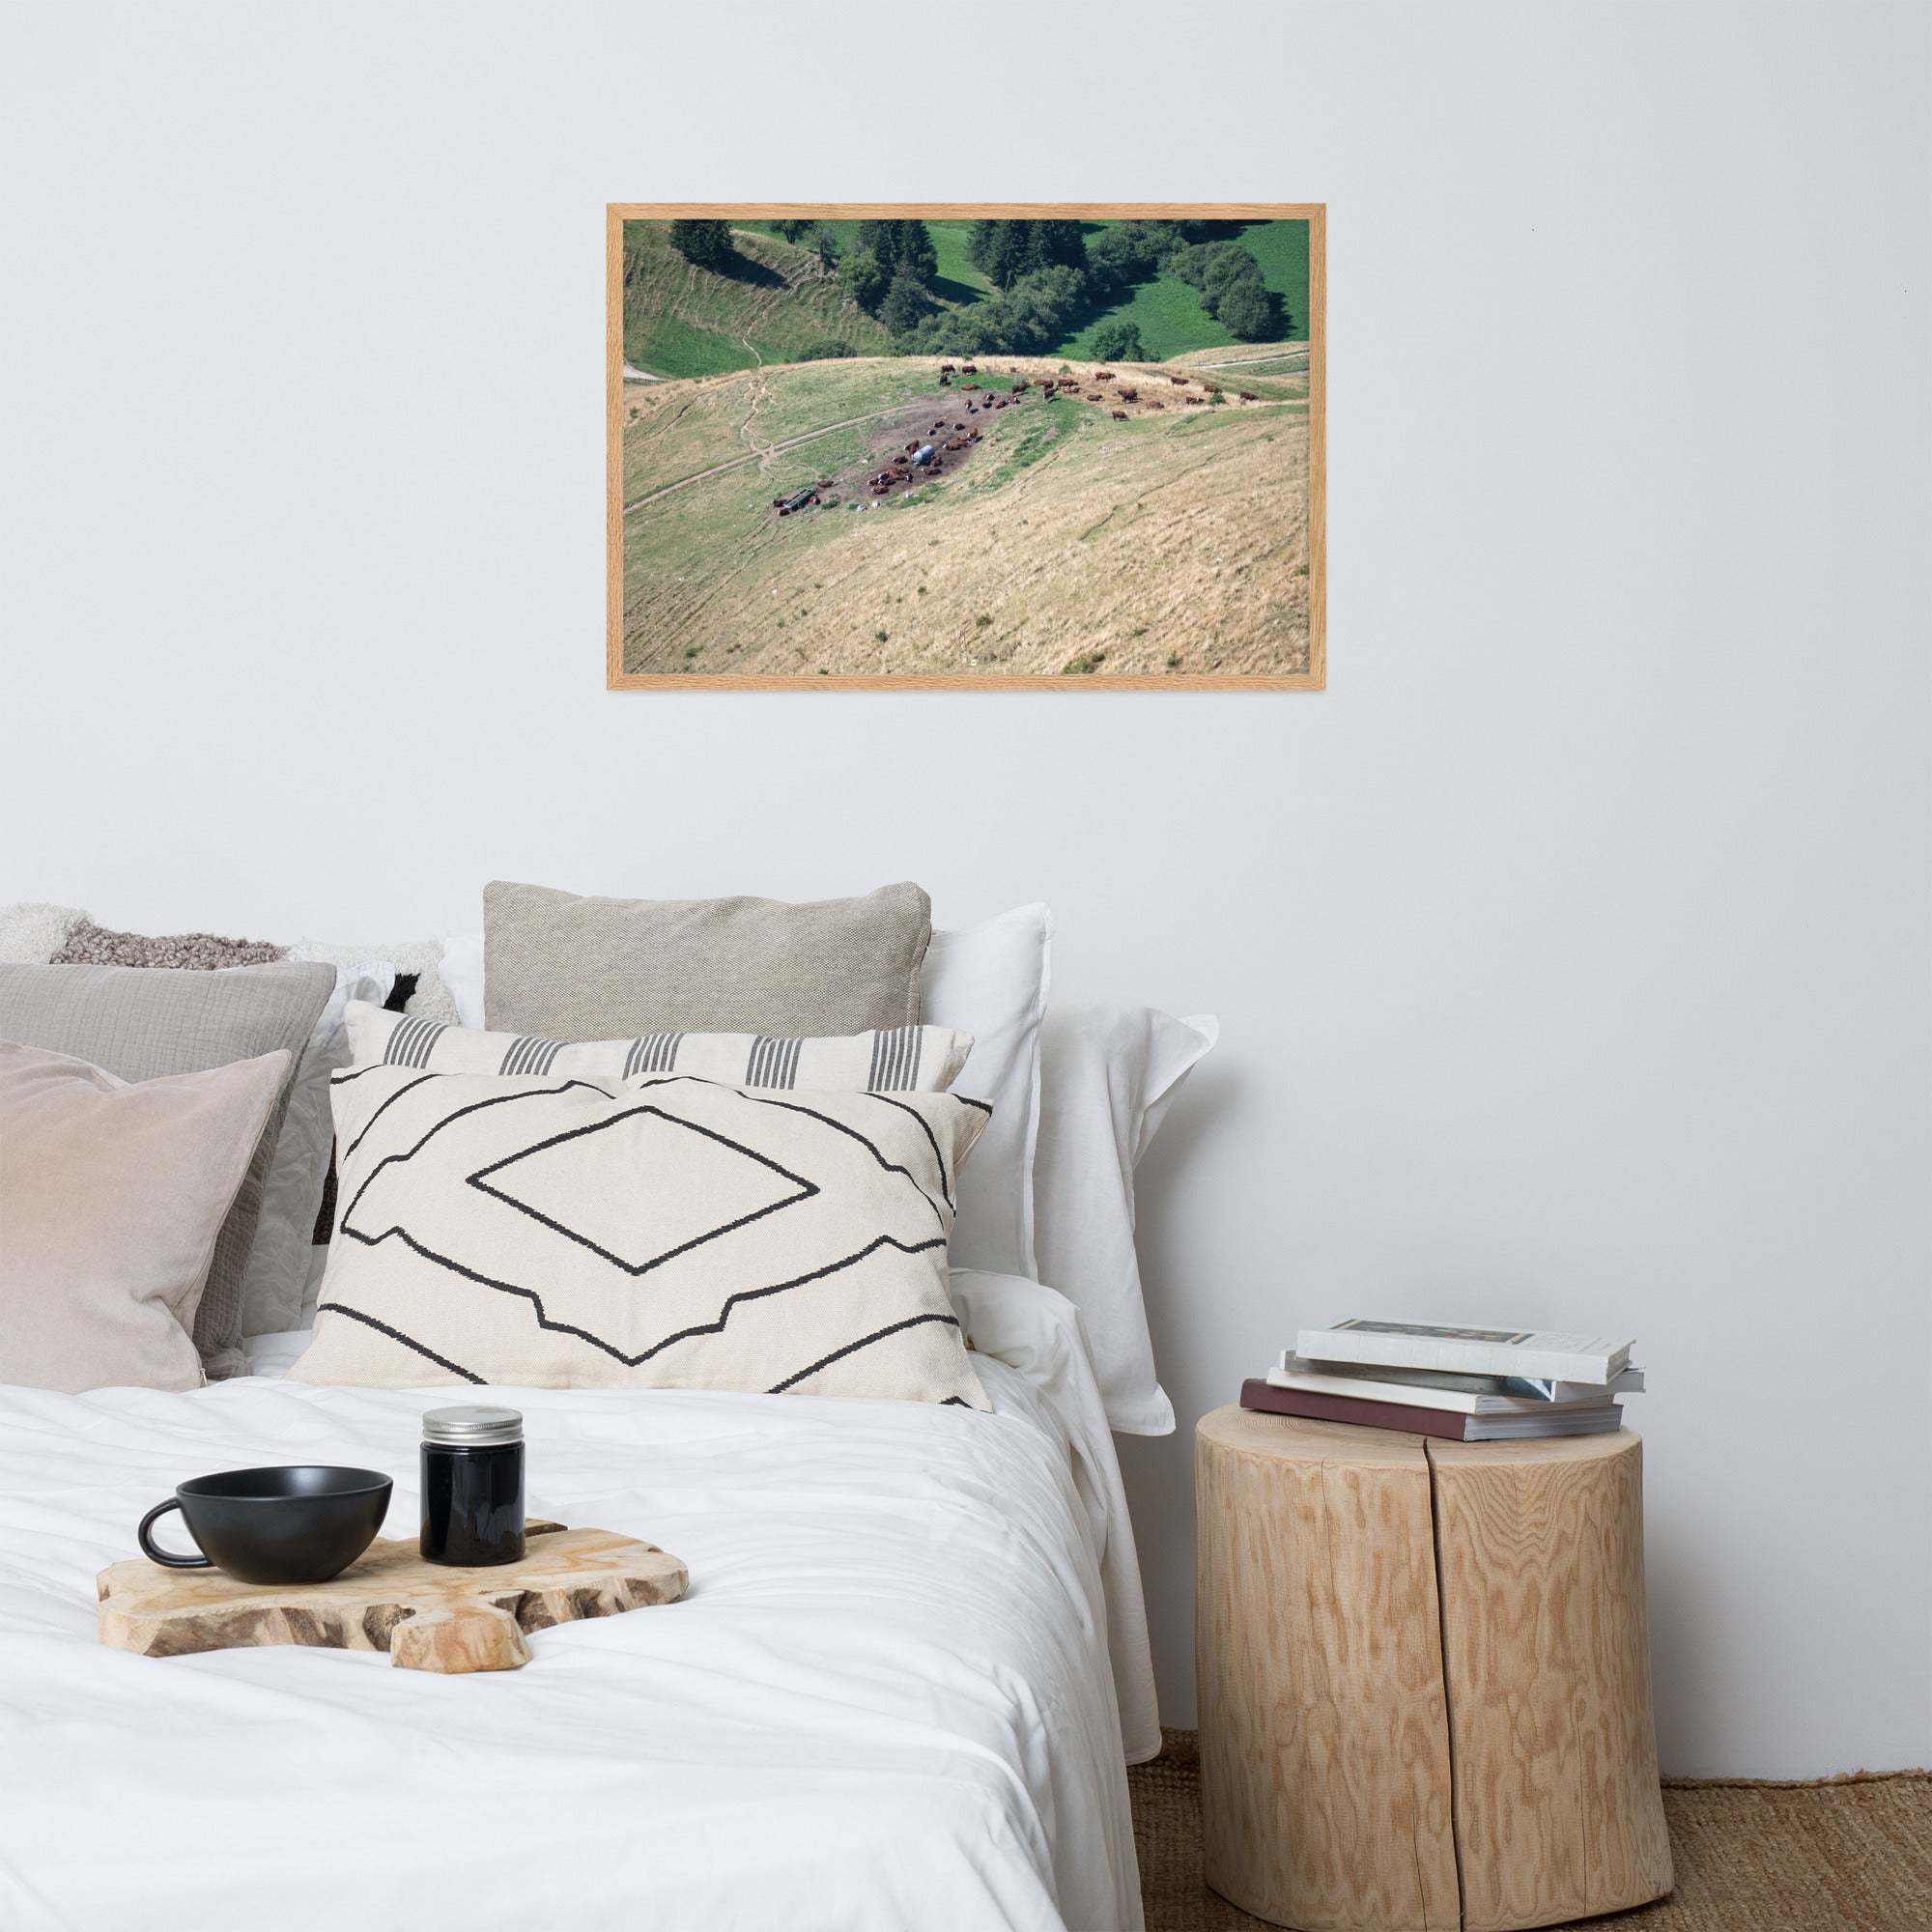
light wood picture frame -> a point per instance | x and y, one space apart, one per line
808 490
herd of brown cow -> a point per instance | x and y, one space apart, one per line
899 468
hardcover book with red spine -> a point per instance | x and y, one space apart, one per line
1596 1420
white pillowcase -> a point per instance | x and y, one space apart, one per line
991 980
277 1265
462 974
1109 1075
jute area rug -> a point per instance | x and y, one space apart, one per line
1848 1854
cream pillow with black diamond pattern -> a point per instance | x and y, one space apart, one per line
660 1231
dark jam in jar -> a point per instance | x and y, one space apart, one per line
472 1486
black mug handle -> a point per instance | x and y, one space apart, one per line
154 1551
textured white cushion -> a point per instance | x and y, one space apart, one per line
421 956
991 980
901 1060
32 933
1109 1075
655 1232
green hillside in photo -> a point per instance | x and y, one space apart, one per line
775 302
777 306
1168 311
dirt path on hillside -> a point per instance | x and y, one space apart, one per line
1251 361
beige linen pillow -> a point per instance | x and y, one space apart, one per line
654 1233
112 1195
570 968
141 1024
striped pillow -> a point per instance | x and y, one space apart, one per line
896 1060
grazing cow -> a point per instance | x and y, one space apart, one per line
1212 389
946 368
1130 395
1103 375
1249 396
969 368
1119 415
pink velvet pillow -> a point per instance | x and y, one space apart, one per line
111 1196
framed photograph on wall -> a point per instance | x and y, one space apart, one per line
1065 447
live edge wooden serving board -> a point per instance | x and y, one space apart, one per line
426 1615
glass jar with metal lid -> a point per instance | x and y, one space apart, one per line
472 1486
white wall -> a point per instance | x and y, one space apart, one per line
1571 949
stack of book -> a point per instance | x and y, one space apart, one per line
1468 1385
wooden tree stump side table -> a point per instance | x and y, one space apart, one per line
1424 1676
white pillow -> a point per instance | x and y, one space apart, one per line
1109 1075
462 974
991 980
277 1265
32 933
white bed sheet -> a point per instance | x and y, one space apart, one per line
887 1701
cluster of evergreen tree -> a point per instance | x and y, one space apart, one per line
1047 277
1006 252
1049 274
889 272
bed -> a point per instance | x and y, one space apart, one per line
900 1692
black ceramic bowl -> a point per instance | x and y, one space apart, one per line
302 1524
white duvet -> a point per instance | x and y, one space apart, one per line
887 1700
